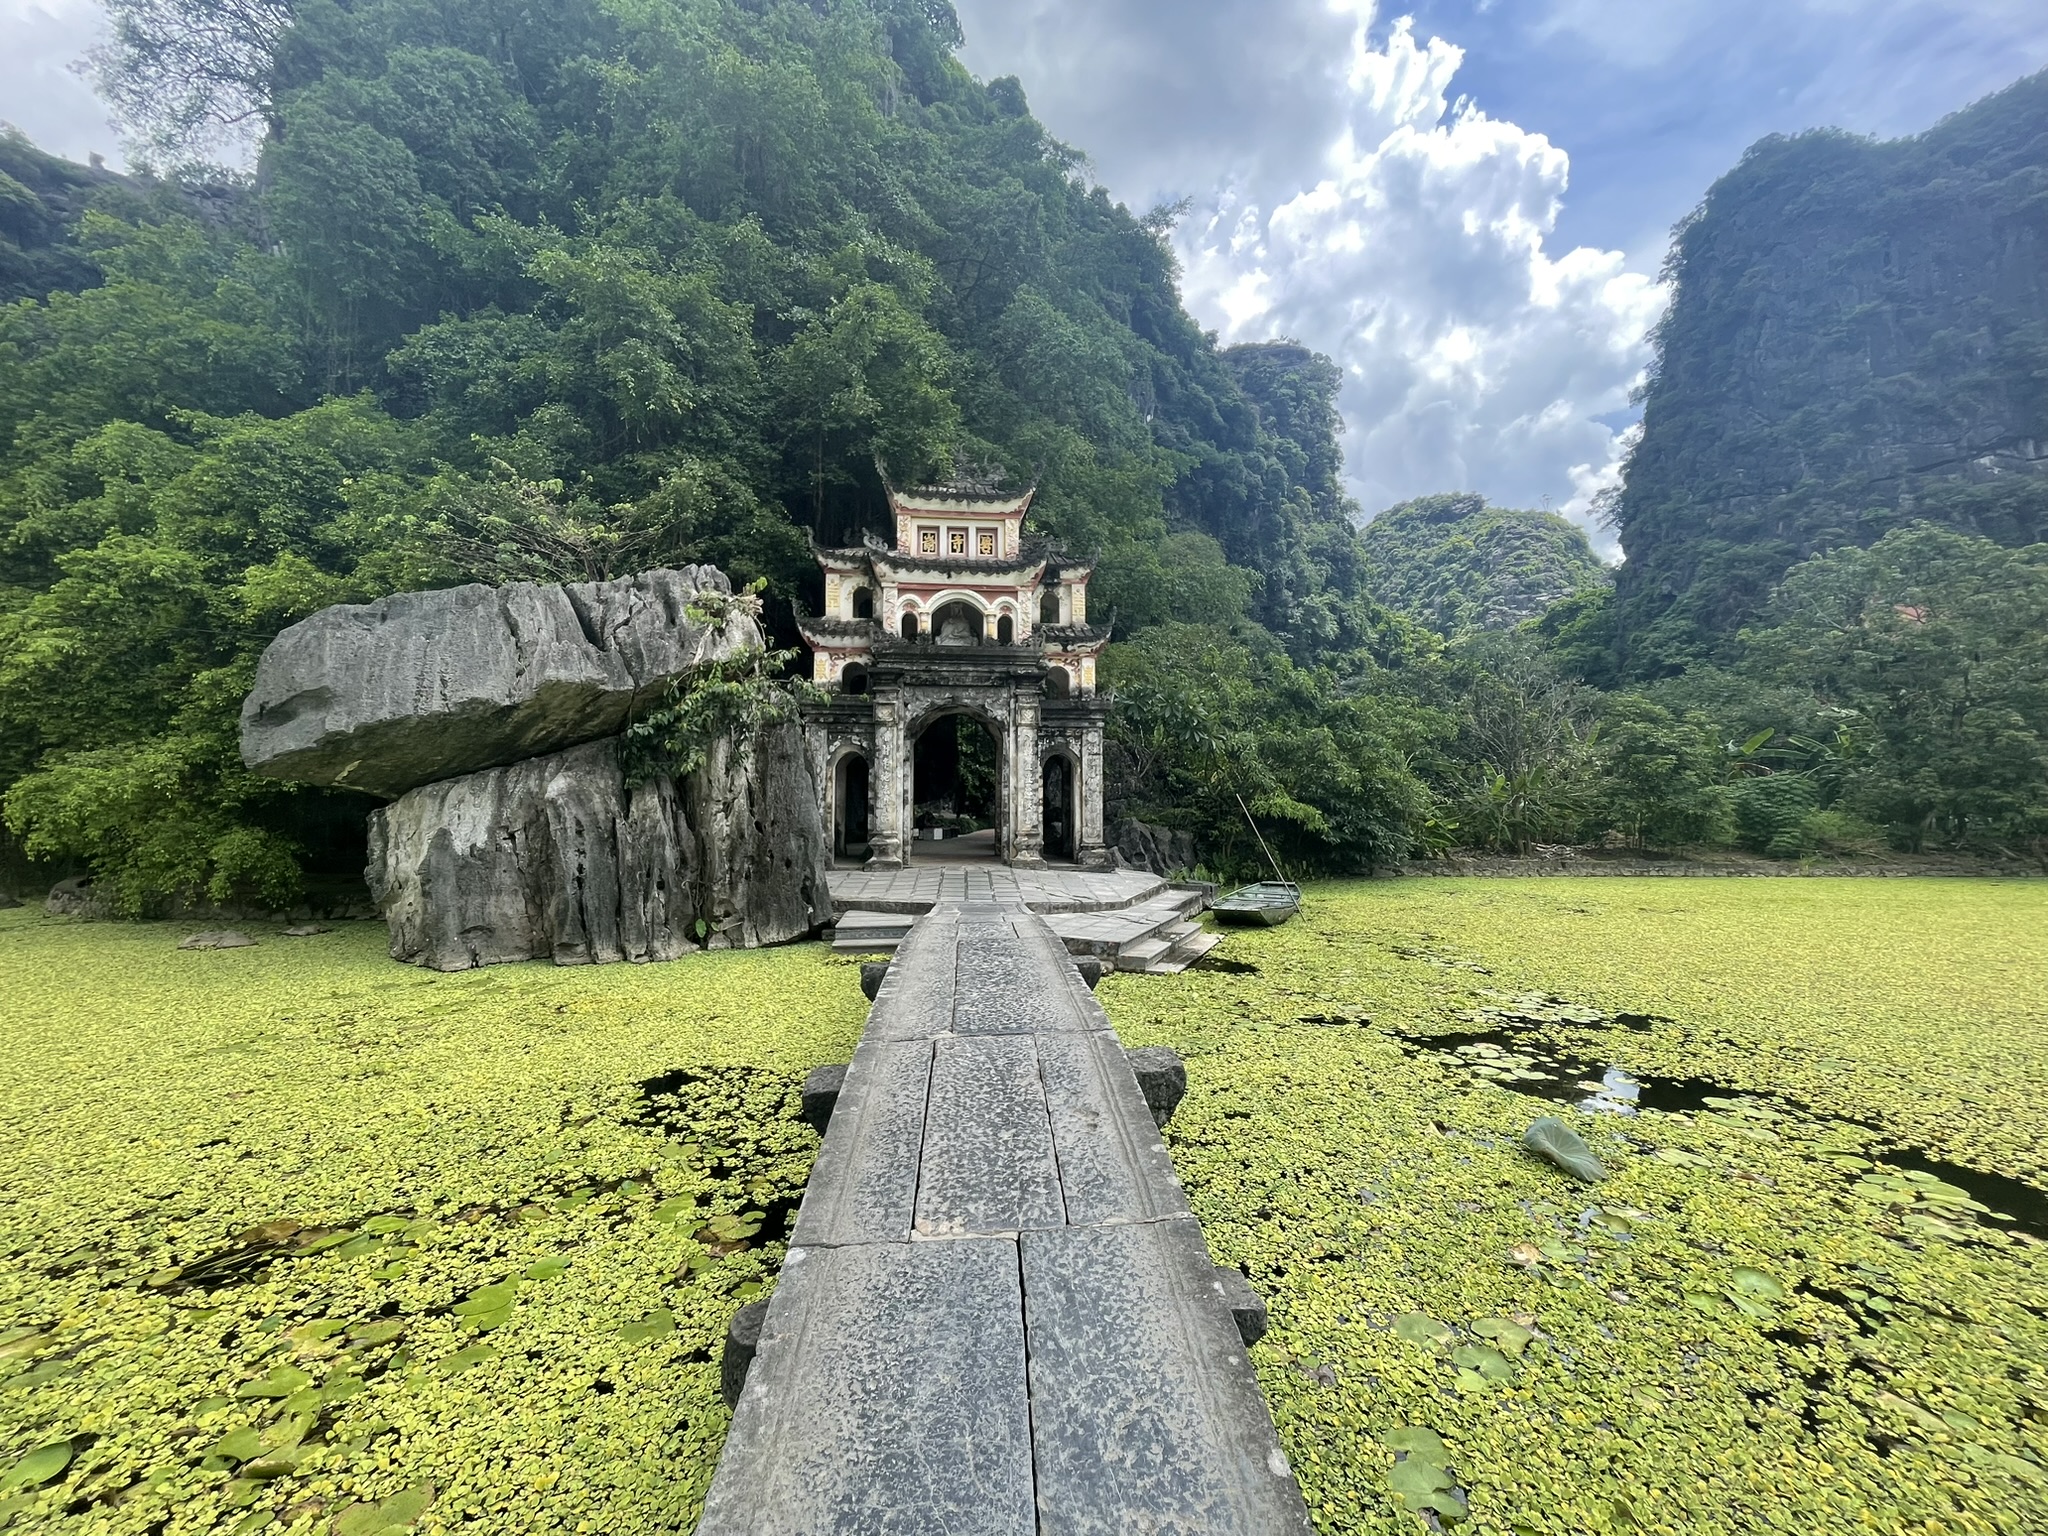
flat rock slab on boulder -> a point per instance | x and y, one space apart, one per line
225 938
422 686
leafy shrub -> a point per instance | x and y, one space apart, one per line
1771 811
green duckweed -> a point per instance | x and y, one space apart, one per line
293 1238
1755 1322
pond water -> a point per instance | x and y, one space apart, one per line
1512 1056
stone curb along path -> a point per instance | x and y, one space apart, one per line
997 1315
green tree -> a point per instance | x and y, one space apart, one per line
1663 775
1934 644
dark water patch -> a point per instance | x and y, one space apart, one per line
2013 1202
1229 967
777 1216
1512 1058
1862 1318
248 1254
662 1094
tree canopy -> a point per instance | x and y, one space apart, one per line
1456 564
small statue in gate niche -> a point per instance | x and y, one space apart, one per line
956 631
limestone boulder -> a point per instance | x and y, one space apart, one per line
424 686
761 833
1157 850
552 858
557 858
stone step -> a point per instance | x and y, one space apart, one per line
861 932
1184 954
1141 955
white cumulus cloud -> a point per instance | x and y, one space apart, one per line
40 91
1474 357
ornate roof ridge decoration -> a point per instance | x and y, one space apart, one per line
957 565
1071 637
964 495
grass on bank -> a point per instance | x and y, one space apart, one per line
525 1204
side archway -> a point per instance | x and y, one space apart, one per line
1059 806
850 806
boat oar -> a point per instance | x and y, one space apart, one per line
1278 873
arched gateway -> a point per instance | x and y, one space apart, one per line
964 617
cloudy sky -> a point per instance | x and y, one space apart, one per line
1464 202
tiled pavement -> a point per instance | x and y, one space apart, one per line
920 888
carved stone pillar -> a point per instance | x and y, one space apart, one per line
1025 812
886 787
1091 851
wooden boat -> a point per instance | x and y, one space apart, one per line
1265 905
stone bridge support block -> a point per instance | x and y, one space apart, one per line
1163 1079
821 1093
1247 1306
742 1339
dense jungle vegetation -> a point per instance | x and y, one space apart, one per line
666 281
1454 564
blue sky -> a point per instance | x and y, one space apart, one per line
1465 202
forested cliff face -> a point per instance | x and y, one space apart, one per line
520 292
1858 339
660 283
1456 564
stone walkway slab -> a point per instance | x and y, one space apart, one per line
997 1313
888 1395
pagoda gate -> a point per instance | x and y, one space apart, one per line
965 614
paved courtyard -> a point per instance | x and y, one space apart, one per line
922 887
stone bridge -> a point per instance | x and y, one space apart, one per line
997 1316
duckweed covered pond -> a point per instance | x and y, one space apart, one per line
1781 1310
294 1238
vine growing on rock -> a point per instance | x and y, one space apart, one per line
731 697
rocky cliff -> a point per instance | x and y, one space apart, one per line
1858 337
558 858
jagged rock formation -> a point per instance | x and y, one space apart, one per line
422 686
491 714
558 858
761 840
1456 564
1158 850
1858 338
